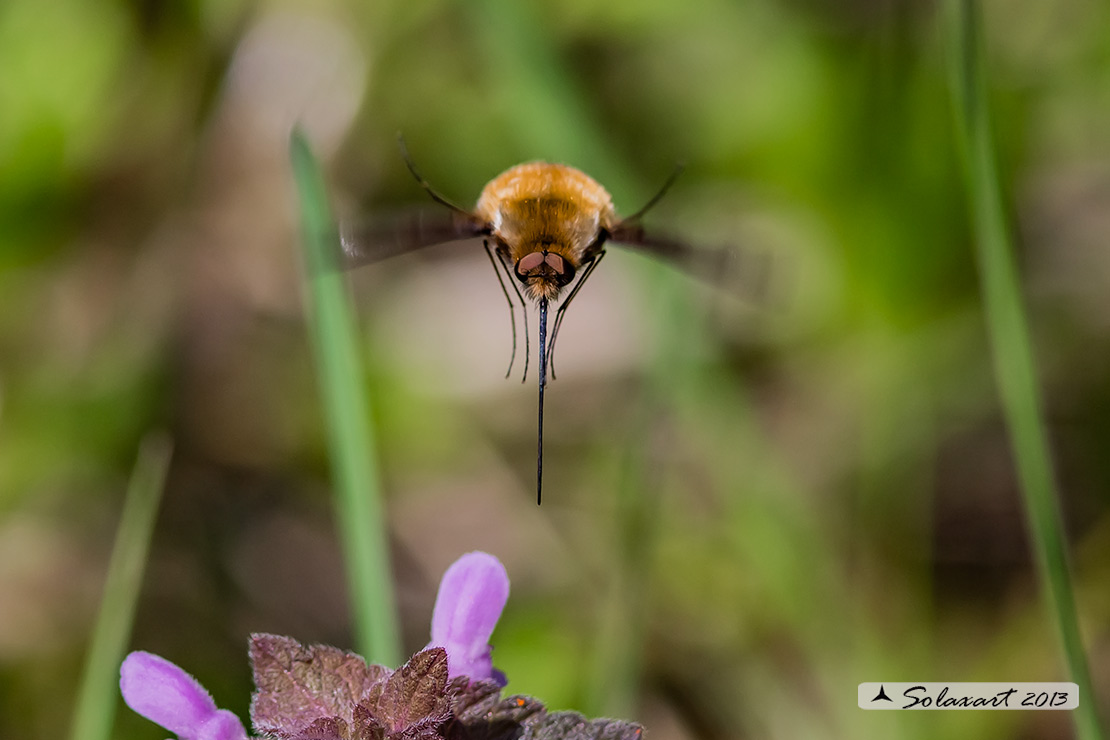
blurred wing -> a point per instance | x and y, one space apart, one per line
374 239
735 270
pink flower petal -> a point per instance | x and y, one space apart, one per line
163 693
471 597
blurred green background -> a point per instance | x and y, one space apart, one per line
751 506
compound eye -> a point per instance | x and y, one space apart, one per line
545 266
530 262
567 274
526 265
564 271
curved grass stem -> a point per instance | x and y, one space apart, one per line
98 692
359 509
1011 345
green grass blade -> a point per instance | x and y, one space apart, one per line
98 693
1011 346
359 507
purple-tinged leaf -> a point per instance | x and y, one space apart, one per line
482 714
325 728
466 694
425 729
415 694
367 726
497 729
497 708
573 726
299 685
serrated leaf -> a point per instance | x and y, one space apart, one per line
482 714
298 685
322 693
325 728
508 709
471 696
425 729
573 726
414 698
366 725
497 729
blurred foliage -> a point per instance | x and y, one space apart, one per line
827 491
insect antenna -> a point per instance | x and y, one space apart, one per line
543 383
657 197
512 309
443 200
594 261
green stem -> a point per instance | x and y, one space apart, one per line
97 696
362 527
1011 346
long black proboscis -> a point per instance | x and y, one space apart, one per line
543 383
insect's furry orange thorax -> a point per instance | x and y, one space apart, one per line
545 207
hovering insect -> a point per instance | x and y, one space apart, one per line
544 228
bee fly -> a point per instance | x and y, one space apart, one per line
544 228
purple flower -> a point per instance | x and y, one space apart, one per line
471 596
167 695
